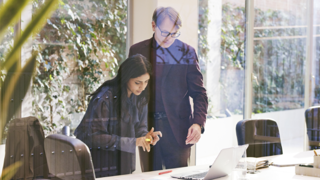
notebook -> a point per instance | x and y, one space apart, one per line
223 165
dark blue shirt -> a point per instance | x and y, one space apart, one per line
163 58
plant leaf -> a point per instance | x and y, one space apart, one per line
12 83
10 13
10 171
38 21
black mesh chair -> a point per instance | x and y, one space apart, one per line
68 158
262 135
312 116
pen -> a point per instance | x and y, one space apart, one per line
315 152
165 172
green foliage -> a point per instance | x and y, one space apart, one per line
232 58
278 63
232 37
203 44
11 73
82 43
10 14
5 46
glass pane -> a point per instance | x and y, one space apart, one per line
6 45
315 70
81 46
232 58
312 114
280 32
223 69
279 56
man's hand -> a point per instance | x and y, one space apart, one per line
194 134
153 136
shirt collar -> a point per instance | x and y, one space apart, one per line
155 44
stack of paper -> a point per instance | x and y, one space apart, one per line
260 162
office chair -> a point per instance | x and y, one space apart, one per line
68 158
25 143
262 135
312 117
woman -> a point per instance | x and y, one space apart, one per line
116 119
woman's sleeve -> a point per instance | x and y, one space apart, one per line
104 130
142 127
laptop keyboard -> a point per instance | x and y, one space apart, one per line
196 176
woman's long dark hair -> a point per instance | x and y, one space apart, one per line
132 67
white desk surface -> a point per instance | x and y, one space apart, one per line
271 173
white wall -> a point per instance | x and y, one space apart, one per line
140 20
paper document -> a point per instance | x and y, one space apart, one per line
260 162
291 160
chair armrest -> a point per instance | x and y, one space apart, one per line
267 138
314 143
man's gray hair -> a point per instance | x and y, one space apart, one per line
161 13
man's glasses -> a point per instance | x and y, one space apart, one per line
166 34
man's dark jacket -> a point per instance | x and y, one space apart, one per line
180 79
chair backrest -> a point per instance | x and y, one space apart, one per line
25 143
262 135
68 158
312 117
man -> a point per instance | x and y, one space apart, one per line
176 77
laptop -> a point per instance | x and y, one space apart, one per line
223 165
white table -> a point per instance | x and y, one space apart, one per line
271 173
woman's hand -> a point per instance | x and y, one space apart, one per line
141 141
153 136
150 138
